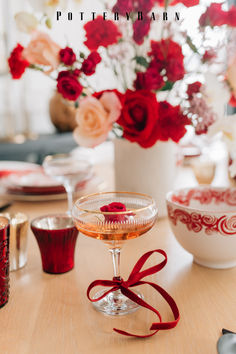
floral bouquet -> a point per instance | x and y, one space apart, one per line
163 79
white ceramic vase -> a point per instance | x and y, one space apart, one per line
151 171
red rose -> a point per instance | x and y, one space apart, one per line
193 88
123 6
171 122
150 80
214 16
231 17
101 32
68 85
168 55
114 208
139 117
17 63
188 3
126 6
175 69
67 56
76 72
89 64
143 5
141 29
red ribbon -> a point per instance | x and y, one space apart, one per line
135 280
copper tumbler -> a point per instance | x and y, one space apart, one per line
4 260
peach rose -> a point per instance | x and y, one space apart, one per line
231 75
42 50
95 118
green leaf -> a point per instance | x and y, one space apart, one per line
141 61
168 86
191 45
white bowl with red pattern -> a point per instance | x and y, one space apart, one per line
203 220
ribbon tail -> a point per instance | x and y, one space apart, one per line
135 298
173 306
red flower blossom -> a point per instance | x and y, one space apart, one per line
68 85
232 101
139 117
188 3
171 122
214 16
118 94
89 64
141 29
114 208
143 5
193 88
17 63
150 80
126 6
168 55
100 32
67 56
231 17
208 55
76 72
123 6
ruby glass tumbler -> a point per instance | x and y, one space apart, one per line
56 236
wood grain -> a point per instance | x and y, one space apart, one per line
50 314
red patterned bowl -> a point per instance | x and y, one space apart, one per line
203 220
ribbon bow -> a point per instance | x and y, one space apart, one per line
135 280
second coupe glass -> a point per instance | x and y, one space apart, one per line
69 171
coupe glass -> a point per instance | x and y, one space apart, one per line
113 228
69 171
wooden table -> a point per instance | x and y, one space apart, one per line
50 314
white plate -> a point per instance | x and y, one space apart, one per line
96 184
18 165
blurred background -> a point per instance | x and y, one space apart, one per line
27 131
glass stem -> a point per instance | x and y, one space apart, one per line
69 190
115 254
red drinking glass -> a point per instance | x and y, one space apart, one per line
4 260
56 236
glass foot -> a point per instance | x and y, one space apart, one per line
116 303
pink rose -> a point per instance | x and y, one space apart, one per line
42 50
95 117
231 75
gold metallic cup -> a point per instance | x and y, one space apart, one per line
18 240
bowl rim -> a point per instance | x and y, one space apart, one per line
151 205
171 193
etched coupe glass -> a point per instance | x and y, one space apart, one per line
113 228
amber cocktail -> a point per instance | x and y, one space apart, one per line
136 216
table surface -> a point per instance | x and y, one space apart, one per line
49 314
